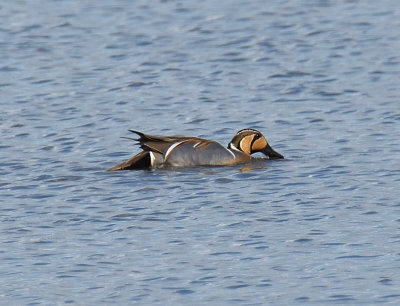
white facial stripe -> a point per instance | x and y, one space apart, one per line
171 148
232 147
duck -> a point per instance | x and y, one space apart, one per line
177 151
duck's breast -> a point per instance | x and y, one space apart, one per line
198 153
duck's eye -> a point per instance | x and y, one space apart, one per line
255 138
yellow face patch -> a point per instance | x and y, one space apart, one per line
259 144
245 144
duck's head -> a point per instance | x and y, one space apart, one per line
251 141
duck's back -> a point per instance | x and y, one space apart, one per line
198 153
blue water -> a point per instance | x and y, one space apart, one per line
320 79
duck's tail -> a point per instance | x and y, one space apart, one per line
139 161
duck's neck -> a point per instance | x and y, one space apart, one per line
234 148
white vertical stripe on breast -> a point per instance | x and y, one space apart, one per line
233 154
152 158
